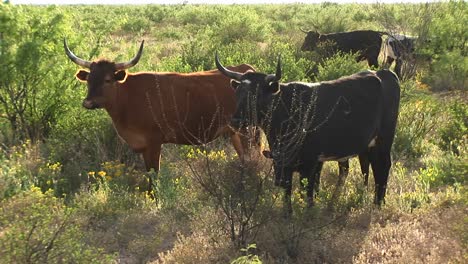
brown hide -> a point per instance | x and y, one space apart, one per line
149 109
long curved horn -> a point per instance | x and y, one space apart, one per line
303 30
132 62
74 58
275 77
231 74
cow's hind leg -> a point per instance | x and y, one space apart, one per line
316 177
343 174
381 162
237 144
364 163
343 171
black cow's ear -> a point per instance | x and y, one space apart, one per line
274 87
120 76
234 84
82 75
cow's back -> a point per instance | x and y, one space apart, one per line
356 41
349 114
343 116
190 108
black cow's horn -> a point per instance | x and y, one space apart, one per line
304 31
74 58
231 74
132 62
276 77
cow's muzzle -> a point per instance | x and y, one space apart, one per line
89 104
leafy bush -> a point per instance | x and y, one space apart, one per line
417 118
32 100
338 66
19 166
241 24
453 134
448 72
237 191
38 228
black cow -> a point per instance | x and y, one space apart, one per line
308 123
366 43
399 48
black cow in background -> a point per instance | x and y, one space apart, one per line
399 48
309 123
366 43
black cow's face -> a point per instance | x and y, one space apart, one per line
101 79
254 96
310 42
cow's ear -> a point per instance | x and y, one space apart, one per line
274 87
82 75
120 76
234 84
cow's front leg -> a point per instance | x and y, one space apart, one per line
152 156
311 172
284 178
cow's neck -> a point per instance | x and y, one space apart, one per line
115 107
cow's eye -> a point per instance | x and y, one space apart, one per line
107 80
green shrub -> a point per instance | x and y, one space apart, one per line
416 120
136 24
445 168
449 72
338 66
454 133
38 228
249 257
18 168
241 24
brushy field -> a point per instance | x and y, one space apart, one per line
70 189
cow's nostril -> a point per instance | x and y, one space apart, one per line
88 104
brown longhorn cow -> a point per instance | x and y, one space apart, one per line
149 109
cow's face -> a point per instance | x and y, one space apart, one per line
310 41
254 94
101 79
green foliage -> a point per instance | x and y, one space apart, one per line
447 31
417 118
249 258
38 228
324 19
105 214
338 66
454 133
449 71
241 24
18 168
30 97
